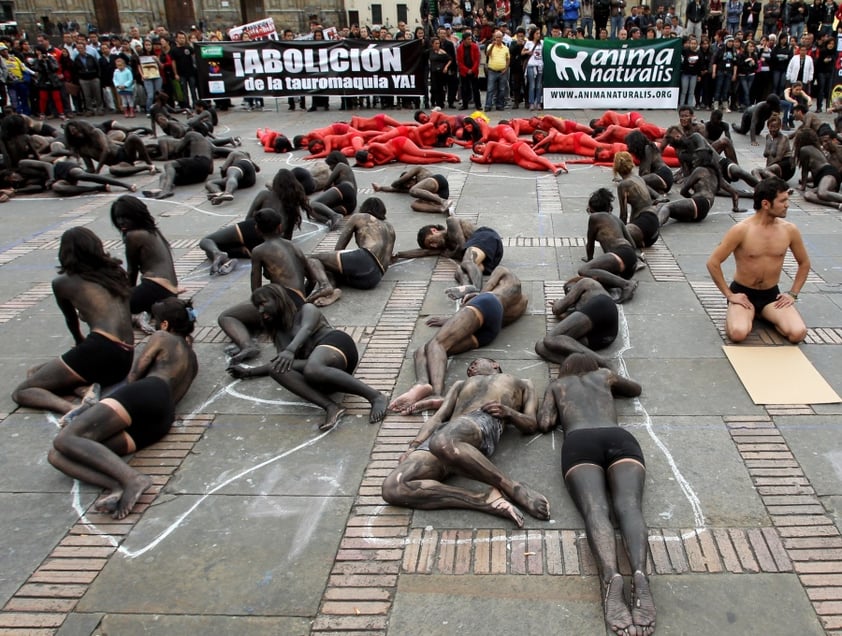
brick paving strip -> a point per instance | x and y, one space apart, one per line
810 540
43 602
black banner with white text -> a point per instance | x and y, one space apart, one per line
306 67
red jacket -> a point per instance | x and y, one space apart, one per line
460 59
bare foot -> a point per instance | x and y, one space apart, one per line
332 417
107 504
222 198
628 291
90 398
432 403
642 604
378 409
502 507
617 615
535 503
406 400
455 293
132 188
217 262
252 351
142 322
232 349
329 299
227 267
376 187
131 493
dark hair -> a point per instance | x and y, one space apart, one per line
287 311
801 108
298 141
425 231
768 189
267 220
81 253
578 364
686 107
133 210
293 199
361 156
373 206
637 143
281 144
305 178
334 157
178 313
601 200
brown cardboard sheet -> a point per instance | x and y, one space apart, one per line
779 375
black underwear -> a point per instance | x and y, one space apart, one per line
757 297
491 309
665 172
149 403
344 344
602 446
349 196
724 164
822 172
650 227
702 208
62 170
147 294
249 177
100 359
190 170
248 232
602 312
360 269
296 298
787 169
489 243
629 258
444 186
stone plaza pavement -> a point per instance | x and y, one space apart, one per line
259 524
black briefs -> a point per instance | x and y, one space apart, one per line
702 208
349 196
249 177
444 186
787 168
248 232
629 258
296 298
62 170
822 172
190 170
757 297
490 243
344 344
360 269
650 227
602 446
147 294
602 311
149 403
491 309
100 359
665 172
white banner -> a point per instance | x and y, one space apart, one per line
632 98
260 30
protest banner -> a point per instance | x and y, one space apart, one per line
259 30
307 67
611 74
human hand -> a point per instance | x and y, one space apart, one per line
496 409
436 321
283 361
741 300
784 300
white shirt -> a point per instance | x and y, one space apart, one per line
795 65
536 57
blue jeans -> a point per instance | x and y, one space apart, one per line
687 97
796 31
152 86
497 89
535 85
723 87
587 25
745 88
617 22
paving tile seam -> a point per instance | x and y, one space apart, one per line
803 536
52 591
350 570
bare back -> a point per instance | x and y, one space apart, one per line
169 357
586 401
93 305
634 198
280 261
147 253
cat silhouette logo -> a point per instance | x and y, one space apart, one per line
564 64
